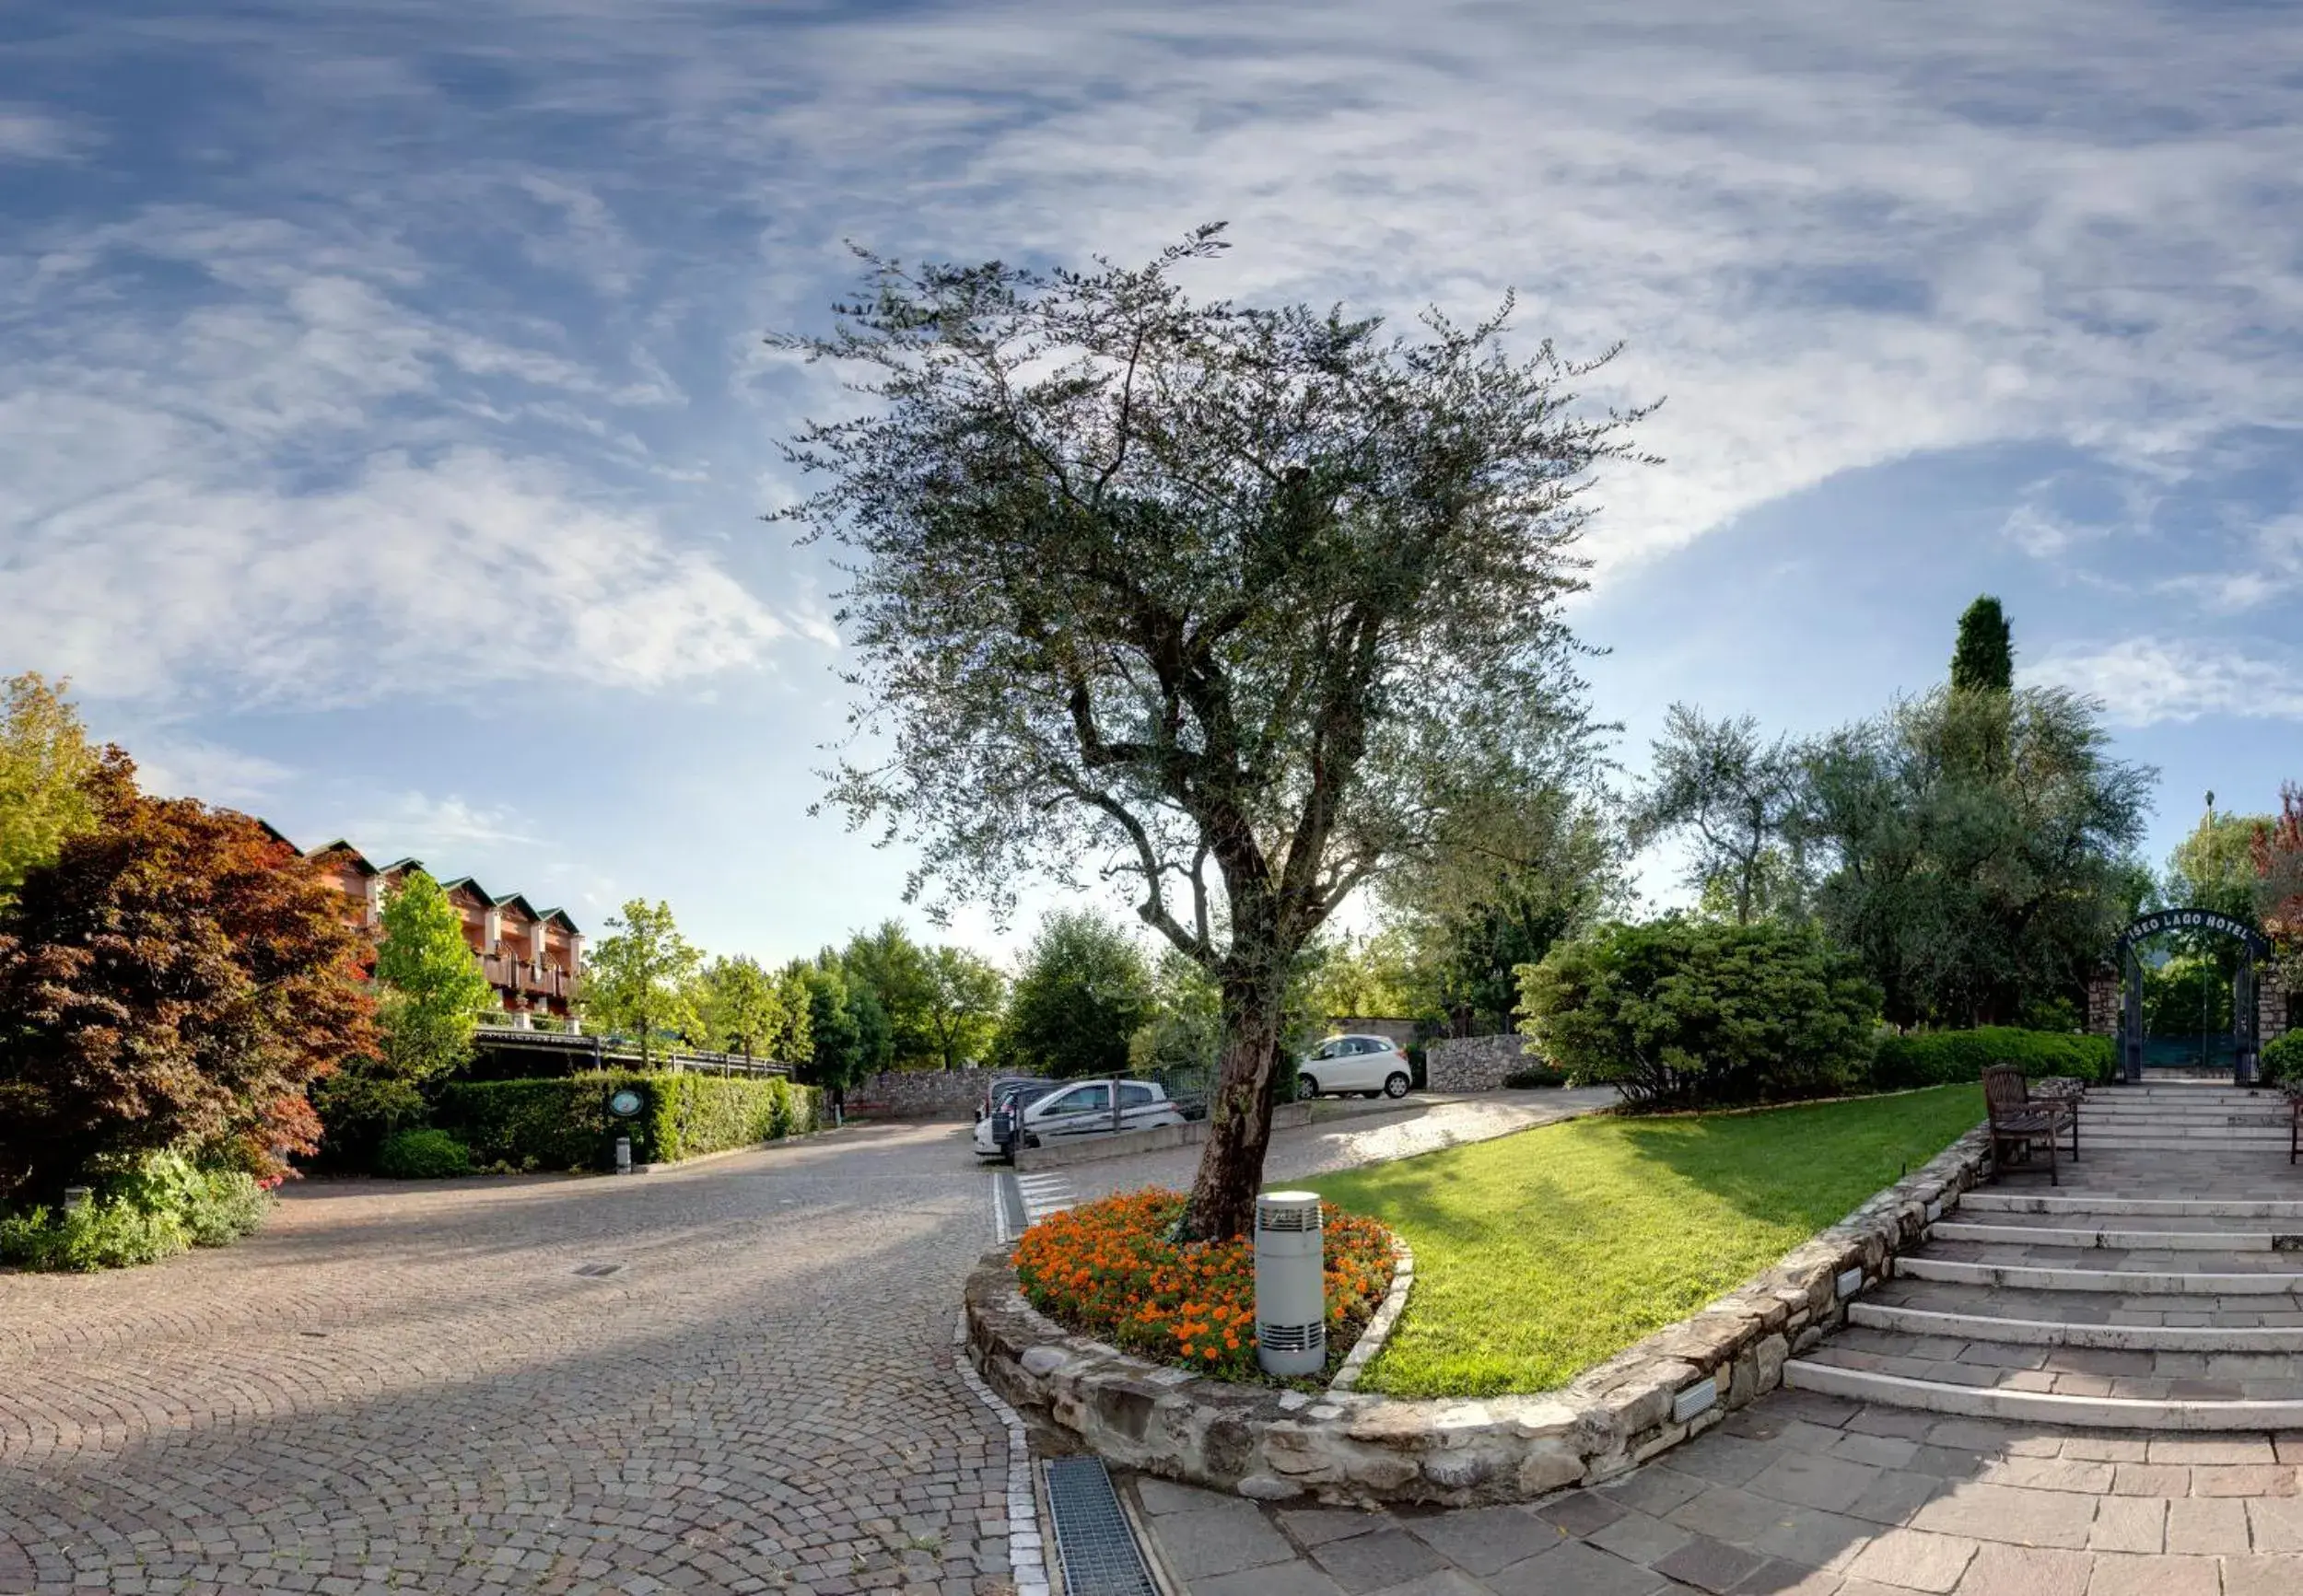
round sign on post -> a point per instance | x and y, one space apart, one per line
623 1102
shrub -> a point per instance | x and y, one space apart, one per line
226 1204
1942 1057
564 1123
1535 1076
423 1155
1681 1011
104 1233
2283 1060
1113 1269
141 1211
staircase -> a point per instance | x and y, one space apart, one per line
2160 1287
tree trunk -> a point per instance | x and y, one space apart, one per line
1239 1115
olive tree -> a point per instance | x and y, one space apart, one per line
1238 604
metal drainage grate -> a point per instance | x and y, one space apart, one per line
594 1271
1092 1539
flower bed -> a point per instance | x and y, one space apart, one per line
1114 1270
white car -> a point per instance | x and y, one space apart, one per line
1349 1064
1085 1108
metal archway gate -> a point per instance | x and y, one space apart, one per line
2245 1022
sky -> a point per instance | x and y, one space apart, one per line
385 424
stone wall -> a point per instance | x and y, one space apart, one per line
921 1093
1474 1063
1348 1447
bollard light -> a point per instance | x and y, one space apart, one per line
77 1198
622 1155
1291 1284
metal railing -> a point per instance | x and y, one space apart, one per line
600 1052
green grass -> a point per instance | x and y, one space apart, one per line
1541 1253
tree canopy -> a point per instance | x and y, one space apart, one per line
1083 990
1237 605
1983 659
642 978
1737 795
173 980
47 771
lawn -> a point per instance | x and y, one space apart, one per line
1539 1255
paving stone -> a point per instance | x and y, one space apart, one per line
2116 1575
1575 1569
1710 1564
2150 1480
1317 1526
1373 1561
2014 1513
2002 1570
2212 1450
2276 1524
1223 1539
1829 1483
1447 1582
2206 1525
1726 1514
2129 1524
2261 1575
1895 1498
1915 1560
1291 1579
1581 1513
1482 1540
2243 1480
1658 1488
1640 1538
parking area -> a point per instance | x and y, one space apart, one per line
736 1376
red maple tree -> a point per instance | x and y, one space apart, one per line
174 979
2278 853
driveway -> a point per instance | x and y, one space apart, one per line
417 1388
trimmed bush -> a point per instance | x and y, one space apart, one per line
1942 1057
423 1155
1680 1012
564 1123
2283 1060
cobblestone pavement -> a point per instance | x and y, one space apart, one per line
1803 1496
415 1391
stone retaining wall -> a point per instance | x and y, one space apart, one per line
922 1094
1474 1063
1353 1449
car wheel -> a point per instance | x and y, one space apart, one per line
1397 1084
1305 1086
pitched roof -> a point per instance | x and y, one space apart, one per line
358 860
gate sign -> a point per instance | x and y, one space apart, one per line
2192 920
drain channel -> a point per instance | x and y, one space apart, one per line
1098 1549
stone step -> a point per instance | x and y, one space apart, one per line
2004 1202
2161 1282
2258 1311
2224 1375
2285 1340
2040 1406
2127 1240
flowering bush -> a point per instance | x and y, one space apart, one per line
1113 1269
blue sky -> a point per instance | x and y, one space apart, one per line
384 423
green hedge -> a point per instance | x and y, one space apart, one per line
564 1123
2283 1060
1942 1057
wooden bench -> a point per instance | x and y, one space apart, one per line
2021 1122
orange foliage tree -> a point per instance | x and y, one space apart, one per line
174 979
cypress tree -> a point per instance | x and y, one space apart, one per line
1984 658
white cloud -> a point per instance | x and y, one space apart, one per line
438 831
174 766
279 490
2147 681
29 133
